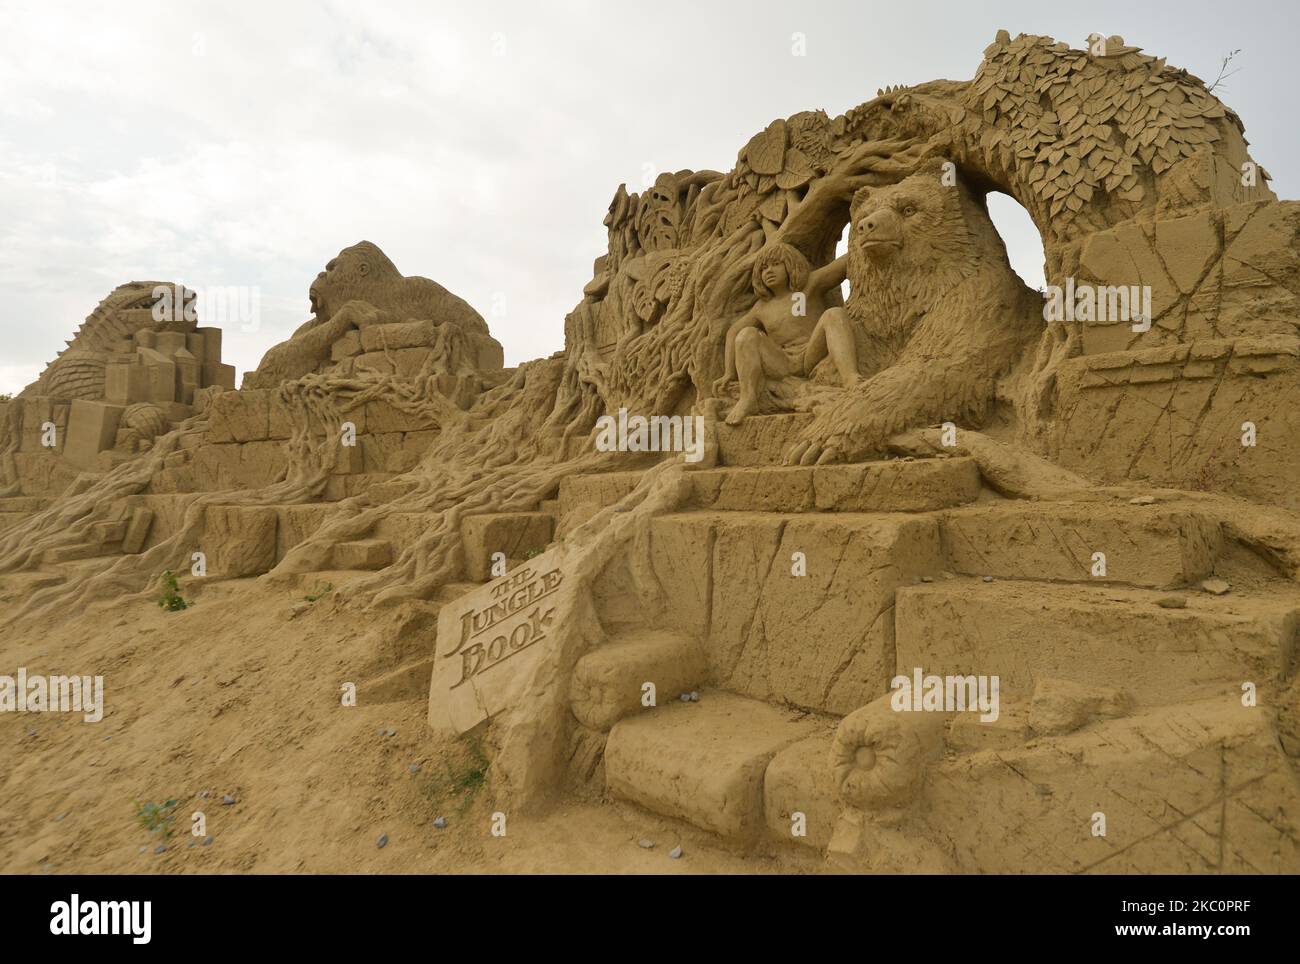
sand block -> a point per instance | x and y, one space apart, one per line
760 439
239 540
1144 545
36 412
1107 637
1119 424
23 503
1198 788
160 372
822 640
801 780
681 552
282 418
109 532
514 534
922 485
969 733
402 362
298 523
346 347
384 453
92 428
137 530
608 682
126 384
702 762
382 416
238 465
582 496
240 417
340 487
487 643
73 553
401 334
919 485
489 355
348 459
363 554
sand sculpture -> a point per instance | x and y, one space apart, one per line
960 579
139 364
360 303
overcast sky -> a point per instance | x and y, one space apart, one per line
478 143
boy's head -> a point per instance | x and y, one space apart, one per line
780 265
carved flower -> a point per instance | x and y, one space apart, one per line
880 754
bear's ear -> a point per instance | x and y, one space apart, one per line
934 164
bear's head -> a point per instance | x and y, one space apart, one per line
920 222
911 241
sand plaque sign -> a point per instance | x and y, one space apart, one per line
488 639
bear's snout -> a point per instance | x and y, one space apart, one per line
880 228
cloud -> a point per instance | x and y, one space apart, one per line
478 144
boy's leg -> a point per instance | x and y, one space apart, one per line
757 359
841 345
816 348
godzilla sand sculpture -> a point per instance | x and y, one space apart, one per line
971 577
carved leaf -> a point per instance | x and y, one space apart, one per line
773 208
766 150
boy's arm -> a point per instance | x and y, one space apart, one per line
829 276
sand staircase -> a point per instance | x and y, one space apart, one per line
793 596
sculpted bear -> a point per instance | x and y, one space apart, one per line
361 287
938 312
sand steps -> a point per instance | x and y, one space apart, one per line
704 761
1120 638
1090 613
632 673
919 485
1092 667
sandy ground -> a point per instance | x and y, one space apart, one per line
232 696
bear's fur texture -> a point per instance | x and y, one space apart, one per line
942 315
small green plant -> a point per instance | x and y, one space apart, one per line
6 397
157 817
320 593
171 599
533 553
462 782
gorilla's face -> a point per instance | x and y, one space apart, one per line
361 272
340 282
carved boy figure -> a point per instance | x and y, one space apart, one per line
789 330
